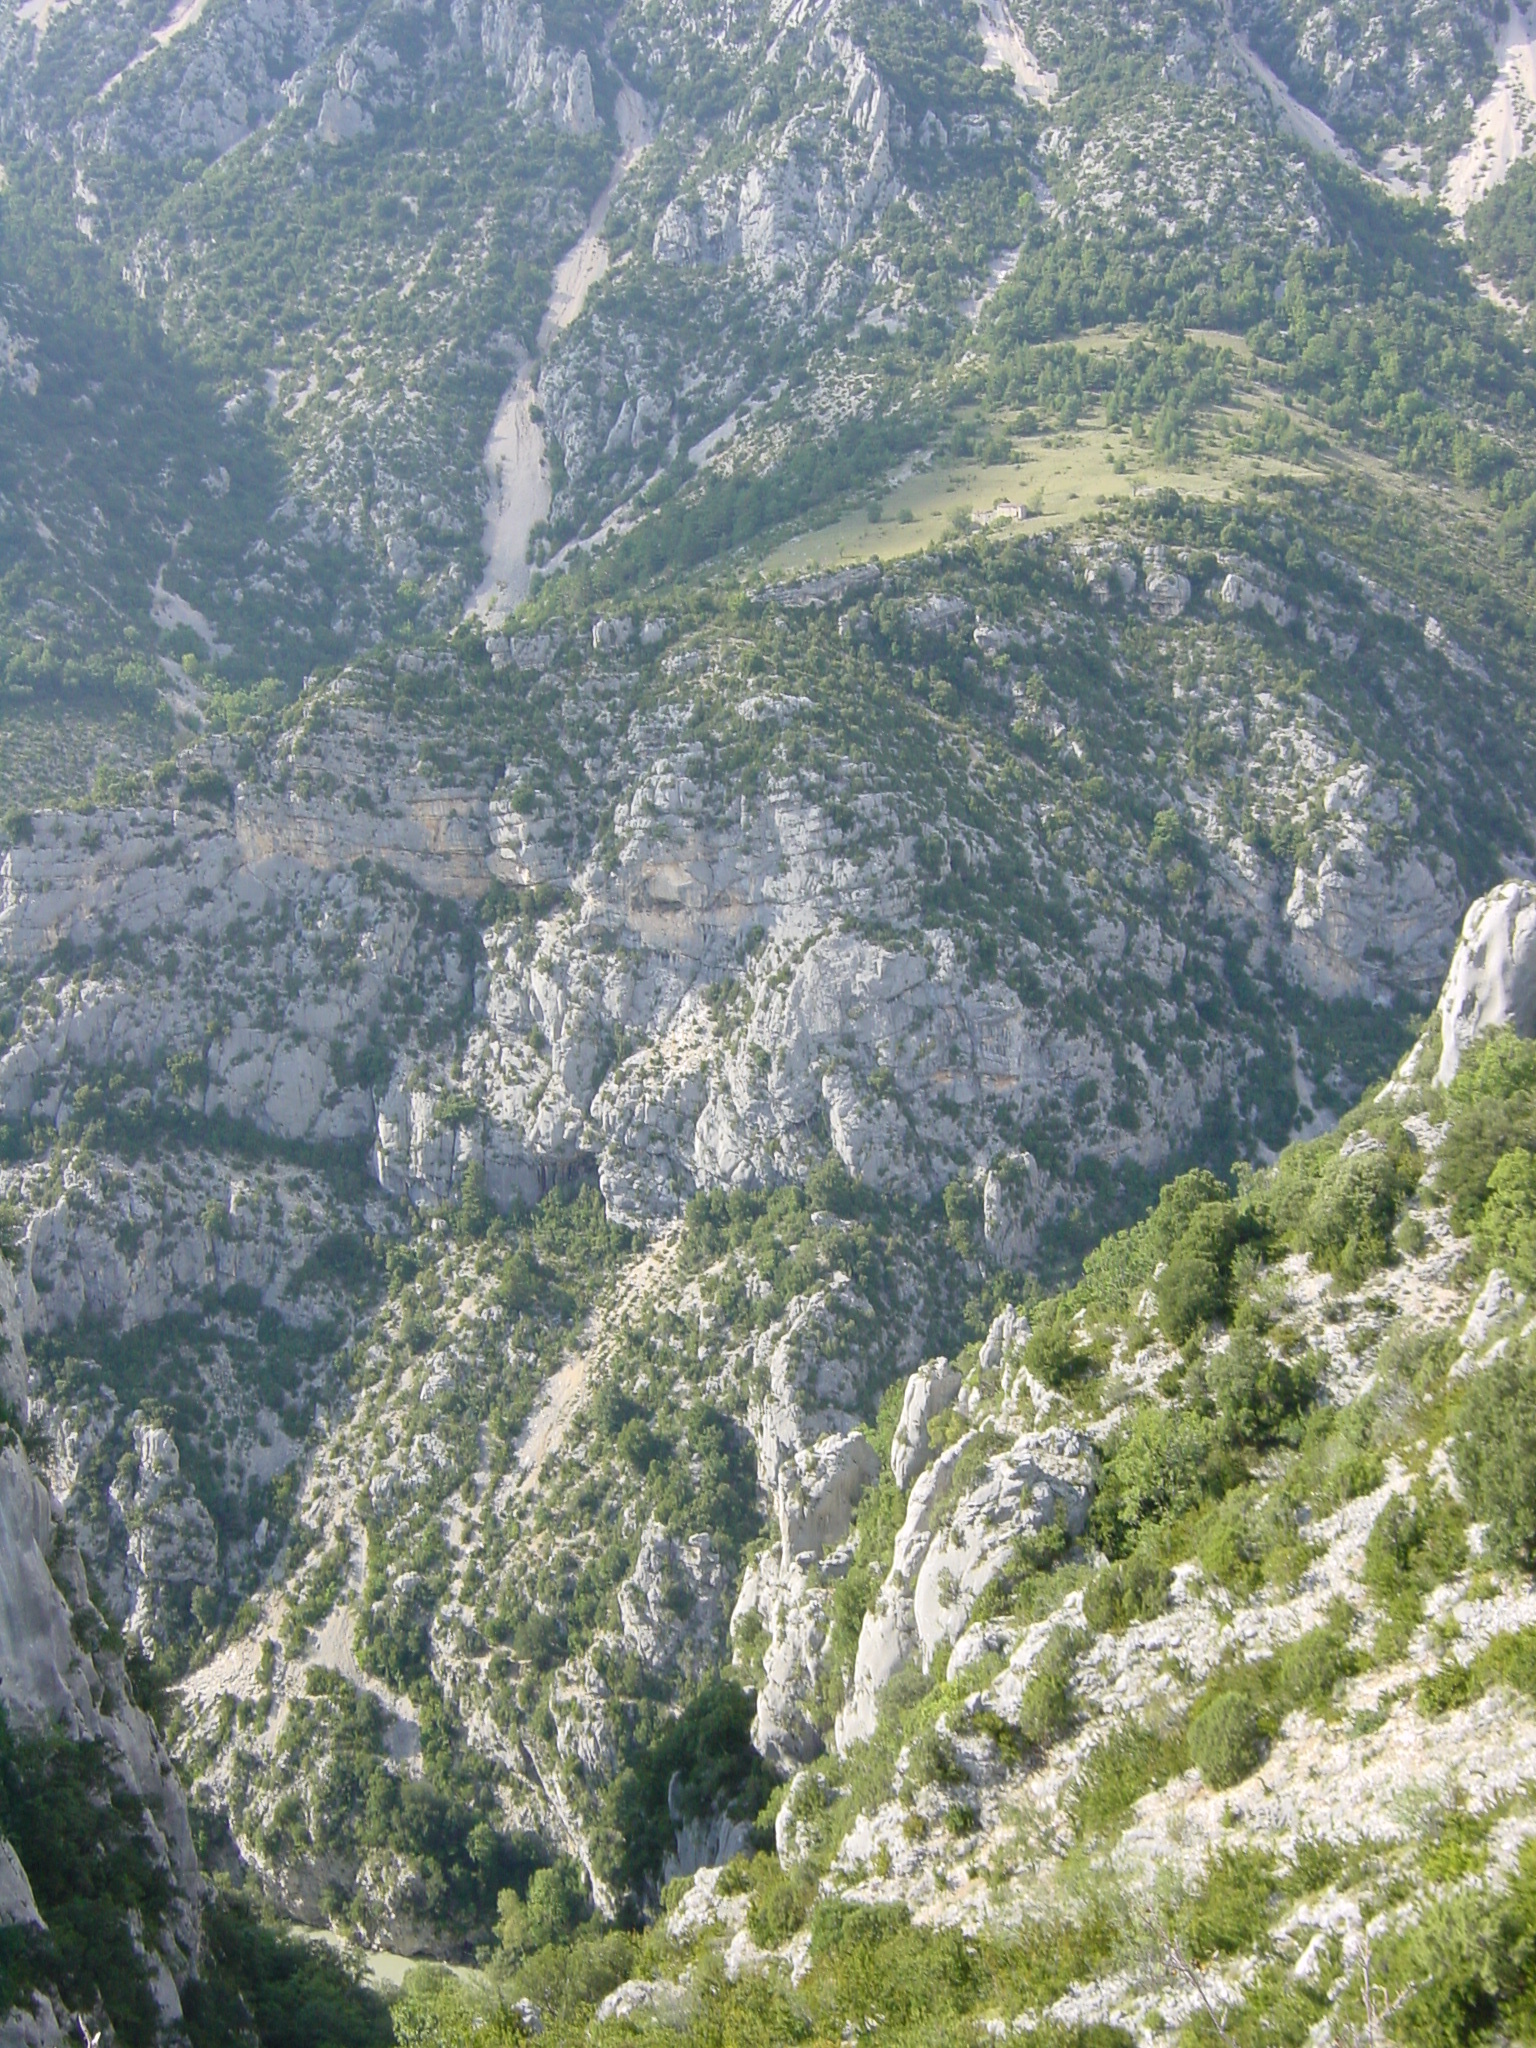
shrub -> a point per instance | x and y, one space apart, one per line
838 1925
931 1760
1491 1118
207 785
556 1903
1051 1354
1414 1542
1349 1221
258 1981
1464 1970
963 1212
80 1837
1231 1910
1136 1590
1191 1293
1128 1763
1338 1460
439 2009
1163 1466
473 1215
1226 1742
1195 1287
1505 1660
782 1901
1451 1961
1499 1068
564 1975
1307 1673
1258 1397
1046 1707
1506 1230
1495 1456
1231 1548
1126 1261
1249 1540
1341 1210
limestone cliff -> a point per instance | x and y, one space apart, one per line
53 1688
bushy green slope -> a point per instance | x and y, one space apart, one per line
1235 1470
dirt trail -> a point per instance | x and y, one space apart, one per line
184 15
515 460
565 1390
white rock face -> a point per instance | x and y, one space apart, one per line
1013 1202
809 1377
818 1491
342 119
1353 907
672 1603
811 185
541 77
950 1549
18 1908
930 1390
597 1047
888 1637
1167 592
130 1253
1491 1306
1238 592
1040 1479
1492 978
44 1677
789 1589
705 1845
645 1998
48 1683
205 888
13 1358
813 1466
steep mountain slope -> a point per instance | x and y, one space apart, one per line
1192 1688
686 695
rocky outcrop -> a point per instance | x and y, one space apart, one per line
1491 984
1041 1479
1359 904
930 1390
672 1604
172 1546
806 192
541 77
788 1591
888 1635
958 1533
52 1686
316 885
813 1466
125 1252
1014 1200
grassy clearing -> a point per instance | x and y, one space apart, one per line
1067 477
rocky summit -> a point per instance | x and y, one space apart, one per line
767 1023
